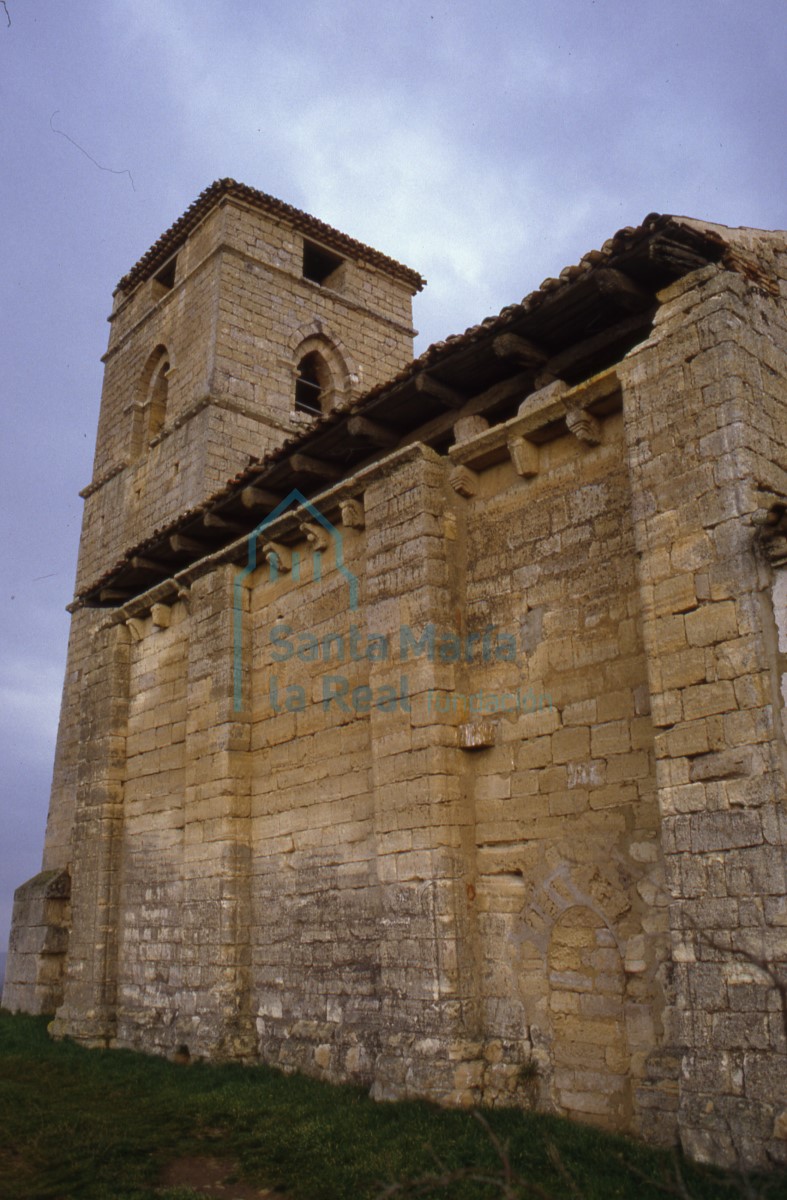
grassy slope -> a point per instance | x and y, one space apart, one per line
96 1124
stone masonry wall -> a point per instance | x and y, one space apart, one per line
705 421
89 1009
232 326
150 932
60 822
424 918
39 943
476 794
568 868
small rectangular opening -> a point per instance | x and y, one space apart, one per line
319 264
164 280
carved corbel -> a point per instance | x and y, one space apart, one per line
776 550
136 628
353 515
524 456
316 535
584 426
463 481
161 615
277 555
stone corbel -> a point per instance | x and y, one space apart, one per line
353 516
161 615
584 426
278 555
316 535
463 481
524 456
136 628
777 551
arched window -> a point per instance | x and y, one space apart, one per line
157 400
150 406
313 385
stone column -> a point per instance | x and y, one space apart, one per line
704 425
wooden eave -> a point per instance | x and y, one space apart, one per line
581 323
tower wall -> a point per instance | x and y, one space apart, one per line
233 327
232 323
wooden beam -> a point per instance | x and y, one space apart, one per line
140 563
427 385
254 497
681 250
624 291
526 353
515 388
372 431
212 520
590 348
304 464
187 545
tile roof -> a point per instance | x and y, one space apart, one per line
174 237
660 249
625 241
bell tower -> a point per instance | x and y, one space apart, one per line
247 321
245 324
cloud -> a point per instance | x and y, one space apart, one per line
30 689
389 160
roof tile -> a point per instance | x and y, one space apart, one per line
174 237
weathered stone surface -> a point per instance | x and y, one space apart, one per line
39 941
278 845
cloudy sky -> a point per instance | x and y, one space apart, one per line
485 144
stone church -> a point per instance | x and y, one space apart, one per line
424 720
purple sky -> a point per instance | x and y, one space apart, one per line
486 145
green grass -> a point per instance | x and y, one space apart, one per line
99 1124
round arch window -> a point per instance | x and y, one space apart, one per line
313 385
158 400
